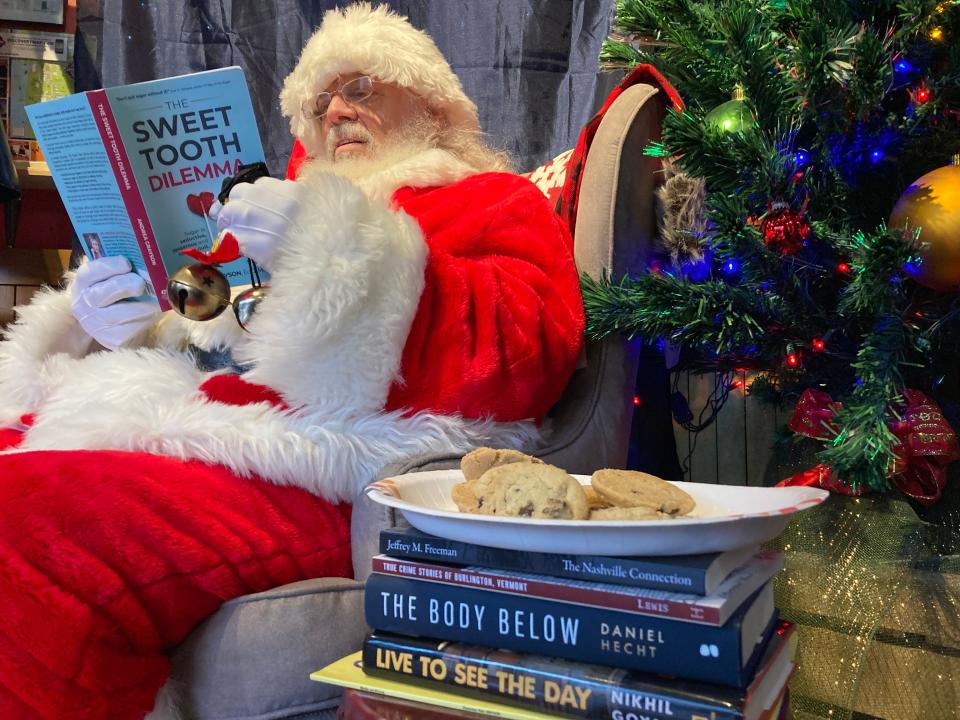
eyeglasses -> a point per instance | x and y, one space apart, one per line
353 92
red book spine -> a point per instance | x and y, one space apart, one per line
120 163
466 577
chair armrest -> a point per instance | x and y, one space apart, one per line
369 517
251 658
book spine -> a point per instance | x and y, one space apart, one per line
123 173
547 627
542 684
468 577
618 571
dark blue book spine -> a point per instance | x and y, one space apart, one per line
661 574
559 687
547 627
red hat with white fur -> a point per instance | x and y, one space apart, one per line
378 42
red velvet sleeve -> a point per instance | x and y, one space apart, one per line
500 323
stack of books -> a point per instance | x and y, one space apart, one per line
487 631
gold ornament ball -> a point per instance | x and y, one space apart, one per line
198 292
932 205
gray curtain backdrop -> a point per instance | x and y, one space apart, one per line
530 65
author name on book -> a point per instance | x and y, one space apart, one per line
420 547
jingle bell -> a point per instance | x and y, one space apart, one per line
245 304
198 292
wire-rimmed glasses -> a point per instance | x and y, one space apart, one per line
353 92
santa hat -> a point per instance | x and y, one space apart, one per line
383 44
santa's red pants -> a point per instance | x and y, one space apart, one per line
109 558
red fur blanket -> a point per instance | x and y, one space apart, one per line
109 558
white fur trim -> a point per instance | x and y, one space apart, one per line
346 285
378 41
34 350
146 401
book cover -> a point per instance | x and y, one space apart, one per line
348 672
712 609
578 690
693 574
137 166
724 655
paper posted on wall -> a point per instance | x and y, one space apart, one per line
138 166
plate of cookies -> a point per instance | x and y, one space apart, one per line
506 499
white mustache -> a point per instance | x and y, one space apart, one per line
351 130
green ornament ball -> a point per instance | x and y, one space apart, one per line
733 116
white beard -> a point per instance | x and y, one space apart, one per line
357 167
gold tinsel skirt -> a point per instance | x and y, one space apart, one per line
875 593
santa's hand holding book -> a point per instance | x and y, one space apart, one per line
105 291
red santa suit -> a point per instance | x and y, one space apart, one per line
431 307
135 503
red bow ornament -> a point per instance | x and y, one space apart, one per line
225 249
926 444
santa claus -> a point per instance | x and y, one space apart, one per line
422 300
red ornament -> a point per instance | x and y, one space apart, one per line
925 445
784 230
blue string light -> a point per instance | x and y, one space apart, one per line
876 155
903 66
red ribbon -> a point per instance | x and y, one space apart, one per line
227 250
926 444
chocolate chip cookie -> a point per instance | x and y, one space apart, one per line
628 513
533 490
629 488
476 462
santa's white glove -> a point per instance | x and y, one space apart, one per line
100 301
261 215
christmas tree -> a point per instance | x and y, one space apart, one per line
813 225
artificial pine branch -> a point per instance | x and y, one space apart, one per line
863 452
720 318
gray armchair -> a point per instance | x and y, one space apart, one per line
251 659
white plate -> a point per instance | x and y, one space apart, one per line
726 517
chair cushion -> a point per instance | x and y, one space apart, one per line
252 659
551 176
